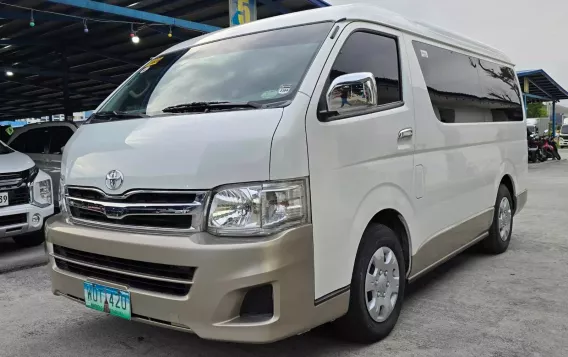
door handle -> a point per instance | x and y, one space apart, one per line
405 133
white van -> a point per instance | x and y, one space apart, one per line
26 198
256 182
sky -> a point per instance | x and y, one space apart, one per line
532 33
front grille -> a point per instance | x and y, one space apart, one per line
158 221
148 210
15 184
116 270
19 196
13 219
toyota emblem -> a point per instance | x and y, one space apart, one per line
114 180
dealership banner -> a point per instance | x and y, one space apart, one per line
242 11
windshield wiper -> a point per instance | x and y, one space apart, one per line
115 115
205 107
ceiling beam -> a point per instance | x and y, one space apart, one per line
59 46
45 72
137 14
274 6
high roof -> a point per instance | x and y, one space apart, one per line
363 12
101 59
542 85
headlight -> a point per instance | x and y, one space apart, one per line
61 194
41 193
260 209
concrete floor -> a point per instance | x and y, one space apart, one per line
475 305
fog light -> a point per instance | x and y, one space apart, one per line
36 220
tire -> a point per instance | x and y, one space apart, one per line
557 155
498 240
358 325
30 240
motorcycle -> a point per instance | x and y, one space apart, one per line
535 149
549 147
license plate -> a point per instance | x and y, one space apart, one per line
112 301
4 199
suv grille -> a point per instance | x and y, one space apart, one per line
15 183
146 210
161 278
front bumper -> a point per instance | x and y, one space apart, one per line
225 270
24 227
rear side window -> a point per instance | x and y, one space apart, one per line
500 91
375 53
465 89
34 141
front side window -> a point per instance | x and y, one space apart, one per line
376 54
364 77
265 68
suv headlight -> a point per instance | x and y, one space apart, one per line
42 195
258 209
61 195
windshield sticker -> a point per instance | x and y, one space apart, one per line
285 89
151 63
424 53
269 94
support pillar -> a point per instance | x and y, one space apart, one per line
553 119
67 110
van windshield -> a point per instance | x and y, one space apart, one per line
263 68
564 129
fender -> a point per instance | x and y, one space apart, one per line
379 198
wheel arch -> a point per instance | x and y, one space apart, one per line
386 204
395 221
507 180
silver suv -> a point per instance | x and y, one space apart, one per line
43 143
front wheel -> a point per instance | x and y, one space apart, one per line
377 287
557 155
500 231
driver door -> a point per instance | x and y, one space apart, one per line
361 157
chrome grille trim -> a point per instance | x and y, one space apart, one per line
123 272
113 207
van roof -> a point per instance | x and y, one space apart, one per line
362 12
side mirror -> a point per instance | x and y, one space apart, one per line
352 91
62 148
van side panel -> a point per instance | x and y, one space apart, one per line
462 163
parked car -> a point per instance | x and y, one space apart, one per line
44 143
563 136
242 194
26 198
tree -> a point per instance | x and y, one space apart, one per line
537 110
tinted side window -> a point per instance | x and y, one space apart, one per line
59 137
500 91
33 141
453 84
369 52
465 89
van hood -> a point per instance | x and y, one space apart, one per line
194 151
15 162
